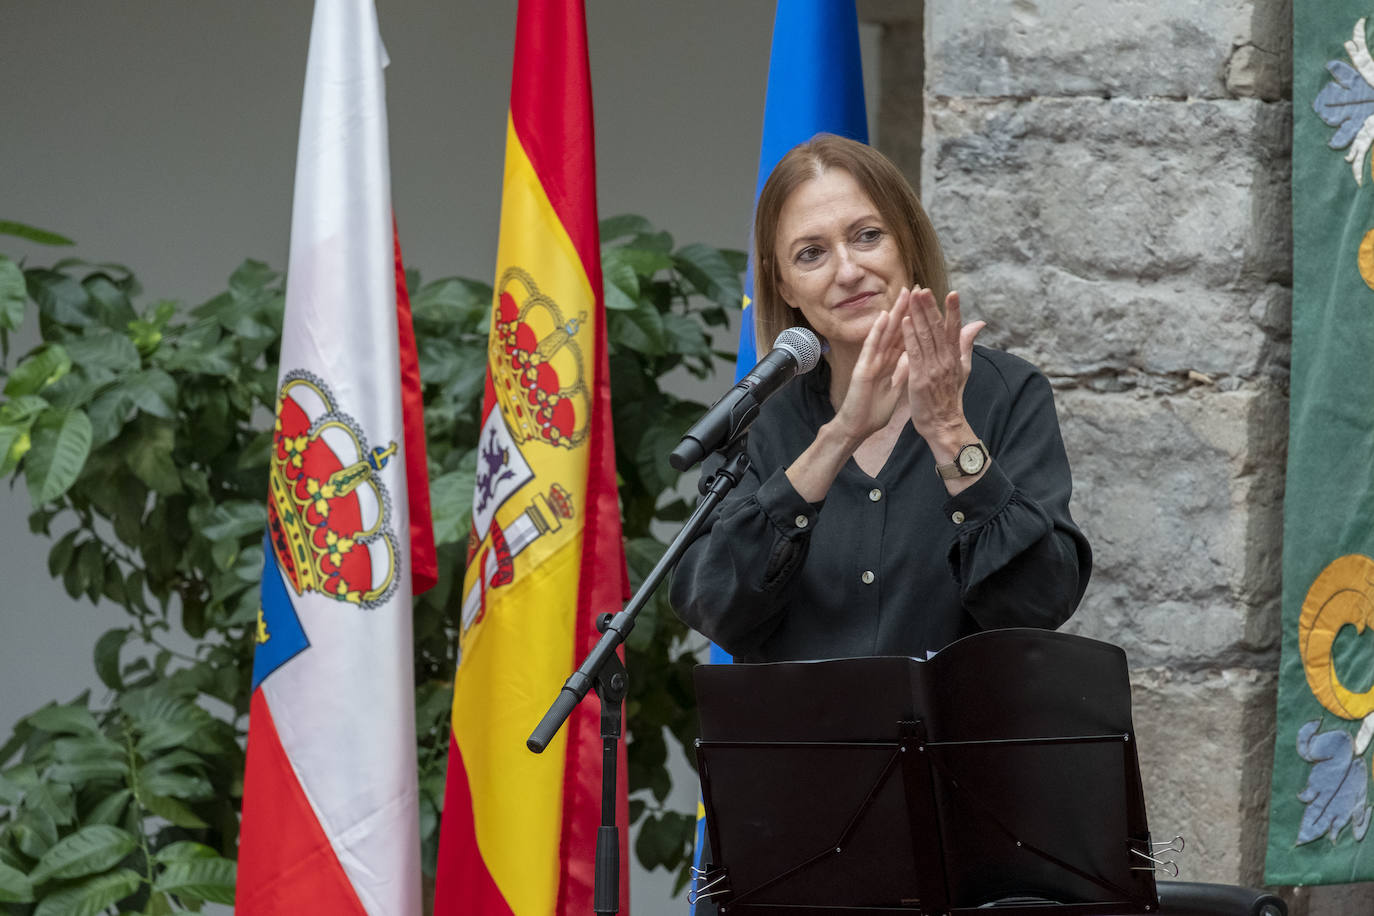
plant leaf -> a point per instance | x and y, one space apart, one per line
107 350
113 299
14 445
644 261
62 553
173 811
54 800
15 886
33 233
14 295
107 649
90 897
91 559
622 225
59 297
184 851
640 331
175 785
234 520
149 455
61 443
450 506
91 849
22 411
38 370
65 720
620 280
706 269
34 832
109 809
153 391
208 879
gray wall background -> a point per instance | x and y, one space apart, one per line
161 134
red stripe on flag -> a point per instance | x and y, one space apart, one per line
286 864
551 108
603 585
462 884
424 563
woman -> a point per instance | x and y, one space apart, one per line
911 490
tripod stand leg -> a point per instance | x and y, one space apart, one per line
612 683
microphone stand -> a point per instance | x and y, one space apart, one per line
603 671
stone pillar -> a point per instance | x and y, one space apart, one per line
1111 183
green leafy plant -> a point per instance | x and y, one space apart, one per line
141 433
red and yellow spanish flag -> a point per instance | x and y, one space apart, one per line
545 556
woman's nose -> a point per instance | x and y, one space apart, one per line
848 269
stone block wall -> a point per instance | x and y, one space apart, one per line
1111 183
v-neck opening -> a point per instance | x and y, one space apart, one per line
818 382
907 429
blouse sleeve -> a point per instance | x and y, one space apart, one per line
730 583
1017 555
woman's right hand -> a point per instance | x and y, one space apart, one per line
879 380
876 386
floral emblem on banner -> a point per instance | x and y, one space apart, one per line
1337 790
1347 102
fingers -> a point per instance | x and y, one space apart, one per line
931 336
884 343
891 337
966 337
873 353
898 379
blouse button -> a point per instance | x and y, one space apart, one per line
802 521
868 577
957 517
875 494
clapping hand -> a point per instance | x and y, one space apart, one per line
939 350
879 378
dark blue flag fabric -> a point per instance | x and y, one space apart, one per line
815 85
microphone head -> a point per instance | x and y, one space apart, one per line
803 345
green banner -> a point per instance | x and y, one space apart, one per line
1322 803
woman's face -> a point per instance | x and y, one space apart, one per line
838 263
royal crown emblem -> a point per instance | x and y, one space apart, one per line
329 515
536 365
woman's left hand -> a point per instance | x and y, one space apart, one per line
940 356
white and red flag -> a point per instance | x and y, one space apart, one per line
330 812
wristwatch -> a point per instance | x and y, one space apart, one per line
969 462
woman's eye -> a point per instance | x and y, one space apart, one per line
806 255
870 235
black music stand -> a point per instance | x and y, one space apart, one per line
1002 771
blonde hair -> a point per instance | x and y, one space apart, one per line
884 184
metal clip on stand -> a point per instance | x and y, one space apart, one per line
603 671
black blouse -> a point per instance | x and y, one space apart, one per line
890 565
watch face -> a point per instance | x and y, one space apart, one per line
970 459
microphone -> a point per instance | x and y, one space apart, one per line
796 351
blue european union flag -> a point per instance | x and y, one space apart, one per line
815 85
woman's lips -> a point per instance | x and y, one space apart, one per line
852 301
